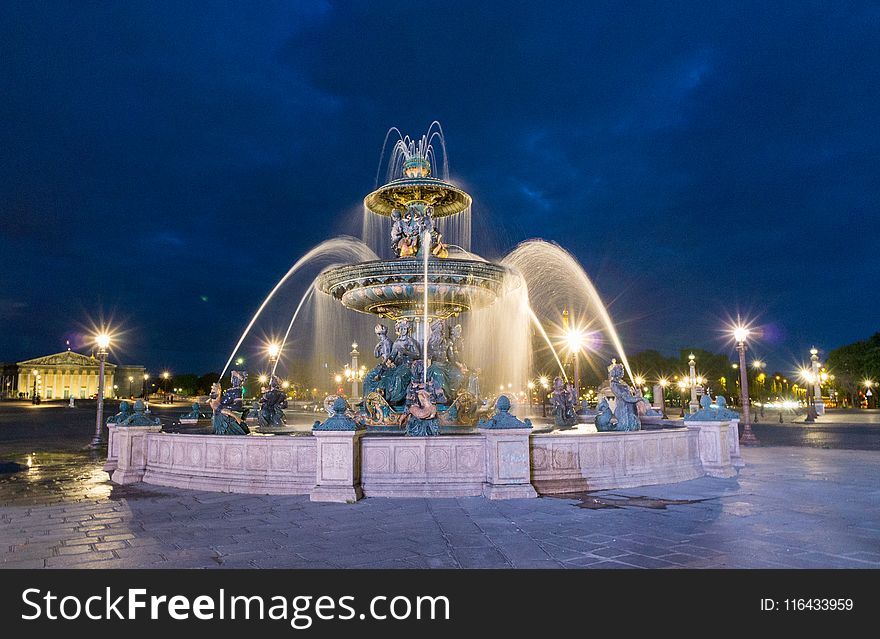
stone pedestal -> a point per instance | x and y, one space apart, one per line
714 448
733 436
508 471
338 467
820 407
131 448
112 450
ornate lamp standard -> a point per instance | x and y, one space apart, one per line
817 389
741 334
145 389
355 371
165 376
663 384
103 342
273 350
545 385
575 341
868 392
694 405
807 376
130 380
682 387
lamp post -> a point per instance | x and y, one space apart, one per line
103 342
807 376
165 377
817 389
130 380
682 388
868 392
36 374
146 388
575 340
694 405
273 350
545 385
663 384
740 334
354 371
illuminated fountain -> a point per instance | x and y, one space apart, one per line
451 325
456 335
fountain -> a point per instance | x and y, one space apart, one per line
421 379
454 343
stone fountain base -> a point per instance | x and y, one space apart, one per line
497 464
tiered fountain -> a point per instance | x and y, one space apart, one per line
430 294
421 379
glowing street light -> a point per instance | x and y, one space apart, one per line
273 350
102 340
741 334
868 384
663 384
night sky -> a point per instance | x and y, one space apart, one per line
163 164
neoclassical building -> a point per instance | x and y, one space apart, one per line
69 374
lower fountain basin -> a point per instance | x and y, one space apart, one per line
396 288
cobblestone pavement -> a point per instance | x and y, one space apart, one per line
789 507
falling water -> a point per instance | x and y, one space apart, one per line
556 281
349 249
426 249
299 306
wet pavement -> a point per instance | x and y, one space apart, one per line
809 505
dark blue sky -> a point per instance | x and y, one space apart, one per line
700 159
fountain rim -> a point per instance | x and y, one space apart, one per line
379 202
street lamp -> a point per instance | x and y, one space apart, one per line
682 387
694 405
663 384
575 340
273 350
165 376
130 380
741 334
817 389
868 392
103 342
545 386
146 389
807 376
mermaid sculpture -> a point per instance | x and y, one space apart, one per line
604 416
122 415
192 416
224 420
272 404
625 411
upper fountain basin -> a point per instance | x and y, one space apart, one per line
396 288
444 197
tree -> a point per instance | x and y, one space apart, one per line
853 363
